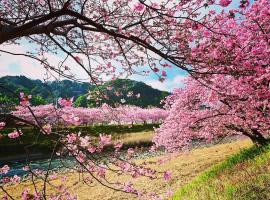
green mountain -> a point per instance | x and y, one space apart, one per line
123 91
42 93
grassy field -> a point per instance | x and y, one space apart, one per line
184 166
243 176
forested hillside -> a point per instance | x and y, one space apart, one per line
121 90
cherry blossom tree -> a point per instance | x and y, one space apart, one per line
233 98
226 55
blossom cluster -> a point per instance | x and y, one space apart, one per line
48 114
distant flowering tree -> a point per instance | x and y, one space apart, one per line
234 97
48 115
89 153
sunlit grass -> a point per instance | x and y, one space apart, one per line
245 175
145 136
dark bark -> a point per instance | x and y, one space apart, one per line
256 137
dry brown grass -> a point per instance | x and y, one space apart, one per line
185 166
144 136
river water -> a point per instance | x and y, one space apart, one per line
57 164
16 168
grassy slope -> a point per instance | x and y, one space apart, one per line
185 167
245 175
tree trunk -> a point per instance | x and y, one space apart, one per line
257 138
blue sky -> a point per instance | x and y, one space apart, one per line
19 65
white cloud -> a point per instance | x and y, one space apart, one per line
169 84
20 65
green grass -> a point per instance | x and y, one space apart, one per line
245 175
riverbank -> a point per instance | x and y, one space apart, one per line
42 145
185 166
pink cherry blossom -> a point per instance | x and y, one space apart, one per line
6 180
84 141
163 73
225 3
4 170
24 100
71 138
155 69
105 139
78 59
101 171
15 134
244 3
15 179
129 187
92 149
25 194
65 102
225 52
167 175
2 125
104 114
53 176
139 7
81 157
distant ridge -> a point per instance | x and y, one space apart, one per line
120 90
